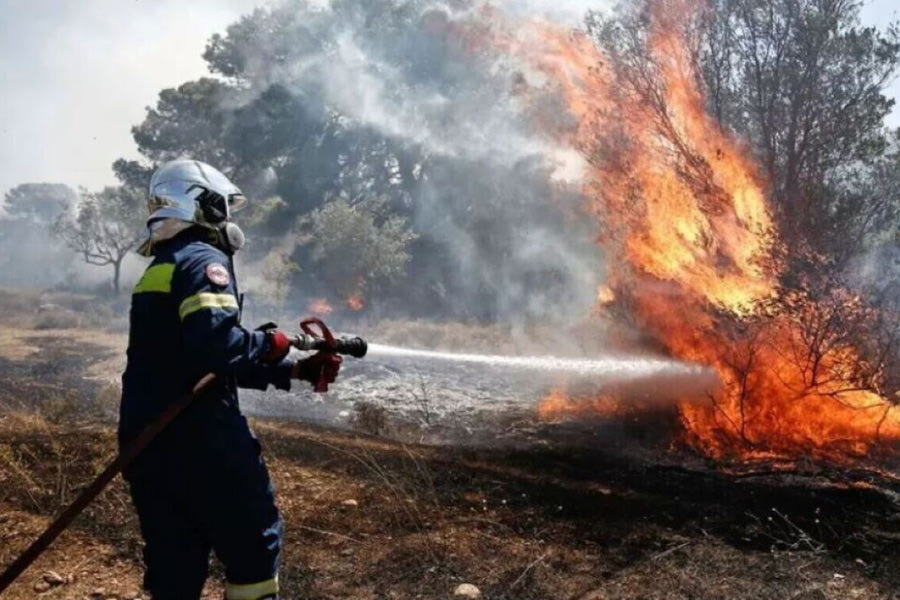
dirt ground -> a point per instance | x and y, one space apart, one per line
371 518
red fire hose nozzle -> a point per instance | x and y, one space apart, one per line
323 341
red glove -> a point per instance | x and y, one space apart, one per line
279 346
320 369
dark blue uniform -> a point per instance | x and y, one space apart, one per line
201 485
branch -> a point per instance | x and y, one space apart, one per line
96 259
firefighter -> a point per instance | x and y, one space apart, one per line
202 484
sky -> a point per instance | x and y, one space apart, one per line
75 76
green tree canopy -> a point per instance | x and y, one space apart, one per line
38 202
190 119
358 247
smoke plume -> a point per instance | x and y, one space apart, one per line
494 198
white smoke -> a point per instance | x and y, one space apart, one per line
476 119
428 75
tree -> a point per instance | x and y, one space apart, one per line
103 227
805 82
358 246
800 82
133 174
27 254
38 202
188 120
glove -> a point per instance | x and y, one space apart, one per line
278 344
320 369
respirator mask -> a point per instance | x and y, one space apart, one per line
232 238
216 211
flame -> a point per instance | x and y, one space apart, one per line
559 405
687 225
355 302
605 295
320 307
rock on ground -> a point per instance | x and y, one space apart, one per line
467 590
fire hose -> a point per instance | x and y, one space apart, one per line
309 340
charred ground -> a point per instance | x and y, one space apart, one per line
564 513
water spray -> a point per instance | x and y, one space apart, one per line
614 366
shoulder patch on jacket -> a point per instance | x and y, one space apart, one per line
218 274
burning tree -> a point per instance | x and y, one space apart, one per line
726 263
803 82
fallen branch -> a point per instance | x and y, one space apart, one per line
669 551
528 568
331 533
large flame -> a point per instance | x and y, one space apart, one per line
685 219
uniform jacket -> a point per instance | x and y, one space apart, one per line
185 323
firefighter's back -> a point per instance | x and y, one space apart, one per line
158 371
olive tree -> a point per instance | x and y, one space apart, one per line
103 227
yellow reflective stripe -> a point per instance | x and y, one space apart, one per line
197 302
251 591
157 278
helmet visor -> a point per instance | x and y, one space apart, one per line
236 202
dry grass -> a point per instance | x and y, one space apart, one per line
45 310
425 519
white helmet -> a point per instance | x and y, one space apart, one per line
184 193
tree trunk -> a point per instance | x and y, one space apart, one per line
117 271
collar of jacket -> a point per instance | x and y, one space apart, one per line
193 234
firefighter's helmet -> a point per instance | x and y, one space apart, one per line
192 191
184 193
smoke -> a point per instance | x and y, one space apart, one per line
423 88
876 275
495 198
28 254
